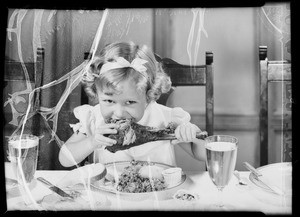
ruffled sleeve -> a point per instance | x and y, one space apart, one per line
85 115
178 116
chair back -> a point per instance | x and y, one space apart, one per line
186 75
19 73
274 71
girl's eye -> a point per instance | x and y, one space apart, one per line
130 102
108 101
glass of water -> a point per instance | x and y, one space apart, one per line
221 153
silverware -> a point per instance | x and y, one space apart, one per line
262 179
241 181
54 188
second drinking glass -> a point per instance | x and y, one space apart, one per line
221 154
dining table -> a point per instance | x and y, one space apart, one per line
236 197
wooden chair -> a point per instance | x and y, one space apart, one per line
14 73
15 80
274 71
185 75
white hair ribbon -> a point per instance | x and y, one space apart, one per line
136 64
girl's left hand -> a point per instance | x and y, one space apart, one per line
186 132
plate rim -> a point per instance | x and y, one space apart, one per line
252 176
183 179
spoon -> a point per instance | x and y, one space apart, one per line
241 181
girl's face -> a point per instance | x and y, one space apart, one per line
129 103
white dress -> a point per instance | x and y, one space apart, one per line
155 115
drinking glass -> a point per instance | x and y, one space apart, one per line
221 153
23 155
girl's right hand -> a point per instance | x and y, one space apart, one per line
99 139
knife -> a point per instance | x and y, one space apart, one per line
54 188
263 179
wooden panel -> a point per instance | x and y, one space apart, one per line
263 113
183 75
279 72
273 71
186 76
231 122
287 123
38 77
14 71
209 94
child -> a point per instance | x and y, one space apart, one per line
127 80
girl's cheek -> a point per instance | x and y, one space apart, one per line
106 113
137 115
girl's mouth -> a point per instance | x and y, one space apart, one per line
114 120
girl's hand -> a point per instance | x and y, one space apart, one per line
186 132
100 139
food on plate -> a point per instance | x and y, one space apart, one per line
132 134
185 195
131 180
151 171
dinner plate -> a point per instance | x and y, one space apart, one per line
115 169
277 174
82 175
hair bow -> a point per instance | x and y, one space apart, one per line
137 64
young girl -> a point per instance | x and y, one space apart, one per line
127 80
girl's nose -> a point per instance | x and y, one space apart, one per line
119 112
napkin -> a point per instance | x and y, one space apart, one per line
18 198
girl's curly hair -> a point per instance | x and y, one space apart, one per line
154 83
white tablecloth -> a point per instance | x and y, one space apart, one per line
235 197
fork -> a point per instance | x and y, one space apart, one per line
241 181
